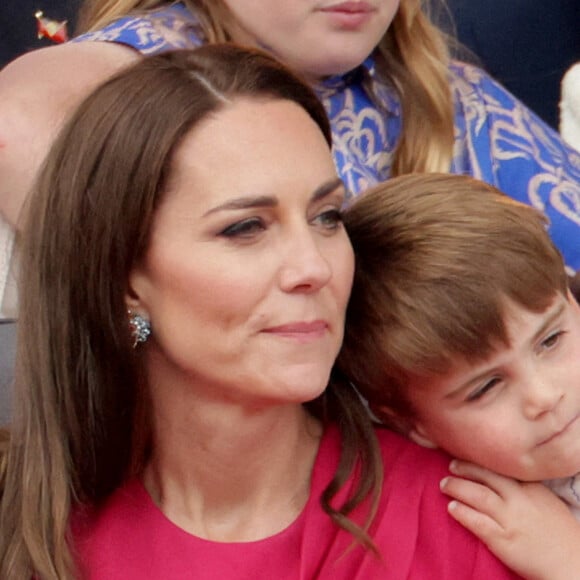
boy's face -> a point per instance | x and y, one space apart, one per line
517 413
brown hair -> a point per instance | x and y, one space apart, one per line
437 256
78 428
413 55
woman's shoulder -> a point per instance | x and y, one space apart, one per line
413 526
400 457
400 452
166 28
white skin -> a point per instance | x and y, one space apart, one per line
517 416
39 89
316 37
245 282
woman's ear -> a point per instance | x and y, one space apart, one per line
136 294
418 434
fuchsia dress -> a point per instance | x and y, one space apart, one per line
129 538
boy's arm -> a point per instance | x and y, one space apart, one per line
524 524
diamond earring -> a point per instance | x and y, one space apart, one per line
140 328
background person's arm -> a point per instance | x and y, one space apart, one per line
37 91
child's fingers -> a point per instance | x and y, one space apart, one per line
500 484
477 496
486 528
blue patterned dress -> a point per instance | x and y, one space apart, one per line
497 139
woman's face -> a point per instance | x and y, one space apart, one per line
249 269
316 37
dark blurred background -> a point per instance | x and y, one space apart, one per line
18 25
527 45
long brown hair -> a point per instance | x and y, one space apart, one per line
80 424
413 55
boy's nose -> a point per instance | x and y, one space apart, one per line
541 396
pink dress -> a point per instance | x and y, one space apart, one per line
129 538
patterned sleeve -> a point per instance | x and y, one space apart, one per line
152 32
507 145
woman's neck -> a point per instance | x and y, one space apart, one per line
226 473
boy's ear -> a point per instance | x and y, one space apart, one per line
421 437
390 418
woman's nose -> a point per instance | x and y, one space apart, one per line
306 267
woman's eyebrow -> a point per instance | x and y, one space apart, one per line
326 189
248 202
245 203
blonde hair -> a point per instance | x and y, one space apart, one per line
438 257
416 59
413 55
212 14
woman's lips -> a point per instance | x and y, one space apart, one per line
299 330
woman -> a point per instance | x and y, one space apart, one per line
396 102
185 275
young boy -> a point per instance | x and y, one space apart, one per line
462 334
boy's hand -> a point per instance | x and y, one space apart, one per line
524 524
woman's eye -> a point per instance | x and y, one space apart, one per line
552 340
330 219
244 229
483 389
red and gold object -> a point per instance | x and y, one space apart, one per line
51 29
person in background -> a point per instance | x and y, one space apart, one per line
396 102
185 275
462 334
570 106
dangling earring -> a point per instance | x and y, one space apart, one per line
140 328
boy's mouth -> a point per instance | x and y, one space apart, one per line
560 431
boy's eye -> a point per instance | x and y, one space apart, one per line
244 229
480 391
552 340
330 219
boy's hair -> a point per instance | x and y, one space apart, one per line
438 259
